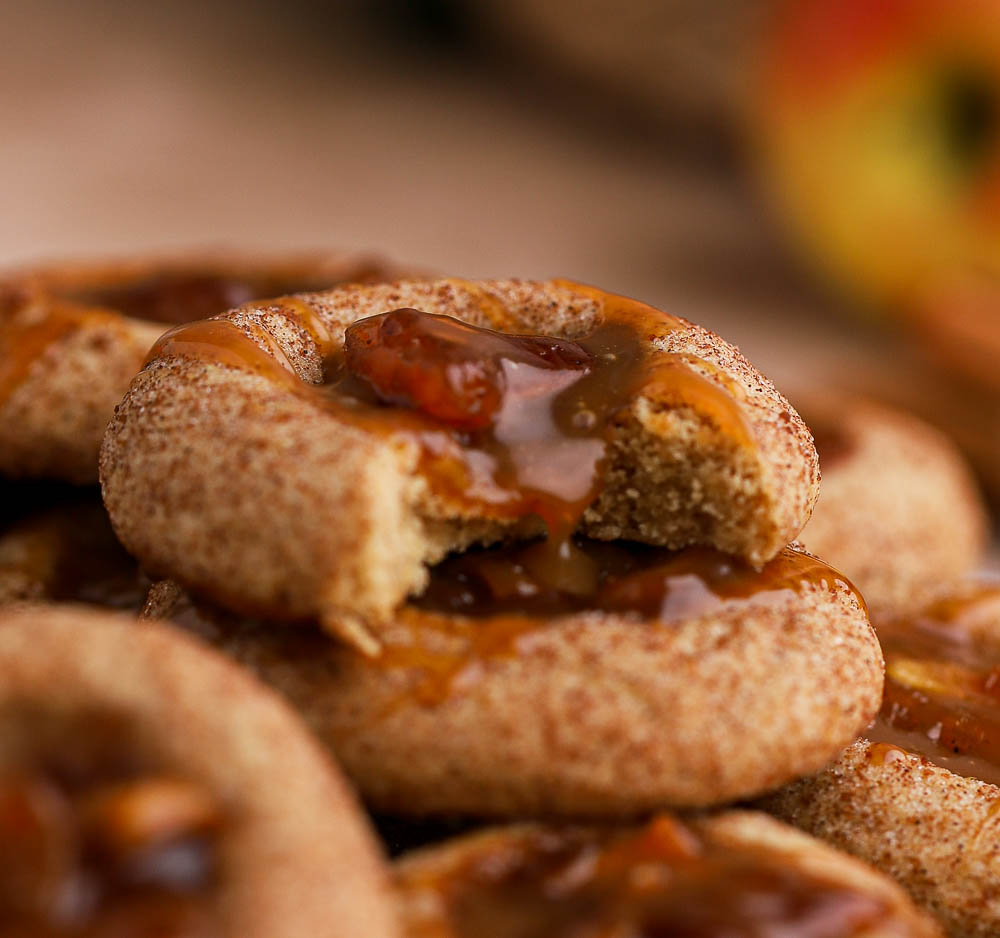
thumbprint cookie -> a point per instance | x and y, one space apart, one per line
309 457
737 874
73 335
918 797
149 787
898 509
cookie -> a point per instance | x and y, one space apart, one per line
73 335
686 678
130 806
56 544
736 873
898 510
299 459
918 798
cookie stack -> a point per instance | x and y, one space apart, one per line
519 554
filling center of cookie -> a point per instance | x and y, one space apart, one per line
661 880
942 689
506 426
491 604
97 837
531 413
179 297
655 583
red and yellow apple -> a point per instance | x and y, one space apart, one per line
879 124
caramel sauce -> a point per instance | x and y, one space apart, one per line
885 753
64 549
653 583
491 603
179 297
34 317
942 689
97 839
547 406
660 881
29 328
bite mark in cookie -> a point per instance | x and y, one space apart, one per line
672 437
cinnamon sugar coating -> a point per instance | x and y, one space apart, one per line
267 503
295 855
898 511
591 714
936 833
72 336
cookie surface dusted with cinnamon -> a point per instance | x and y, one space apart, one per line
312 496
128 807
739 875
899 511
73 335
623 679
918 797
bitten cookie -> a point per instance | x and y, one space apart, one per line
269 463
128 805
737 873
919 798
73 335
898 510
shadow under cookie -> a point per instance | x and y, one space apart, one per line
57 544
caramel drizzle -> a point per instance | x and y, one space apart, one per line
27 333
661 878
225 343
444 458
942 692
684 585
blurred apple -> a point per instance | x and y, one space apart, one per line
879 123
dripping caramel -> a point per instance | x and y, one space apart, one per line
491 603
660 880
539 445
942 690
